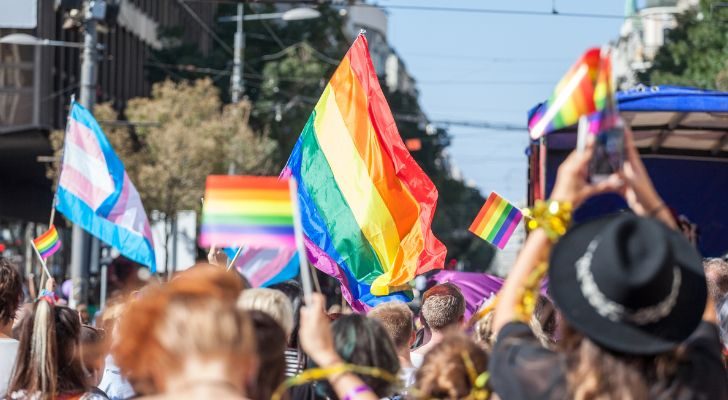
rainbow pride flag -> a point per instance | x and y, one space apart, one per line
496 221
48 243
366 206
572 98
247 210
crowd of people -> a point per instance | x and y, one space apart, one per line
632 311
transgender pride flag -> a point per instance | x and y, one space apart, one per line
95 192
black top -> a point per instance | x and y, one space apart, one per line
520 368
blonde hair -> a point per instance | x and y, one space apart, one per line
483 332
192 316
270 301
450 369
396 318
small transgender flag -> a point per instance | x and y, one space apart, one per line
496 221
95 192
263 267
48 243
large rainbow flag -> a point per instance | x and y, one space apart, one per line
366 206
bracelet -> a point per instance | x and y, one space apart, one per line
554 217
529 293
657 209
351 395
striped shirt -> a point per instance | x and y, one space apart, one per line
295 362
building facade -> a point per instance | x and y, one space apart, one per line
642 34
36 82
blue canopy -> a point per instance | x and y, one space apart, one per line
682 134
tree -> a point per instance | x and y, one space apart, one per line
186 135
695 53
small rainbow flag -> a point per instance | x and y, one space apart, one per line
572 98
48 243
496 221
247 210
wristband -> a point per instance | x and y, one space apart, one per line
351 394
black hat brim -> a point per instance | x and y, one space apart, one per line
654 338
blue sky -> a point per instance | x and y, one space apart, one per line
484 67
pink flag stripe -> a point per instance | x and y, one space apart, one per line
208 239
80 135
77 184
511 228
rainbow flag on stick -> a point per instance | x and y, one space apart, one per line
247 210
573 97
48 243
366 206
496 221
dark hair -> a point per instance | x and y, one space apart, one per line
363 341
270 341
48 354
594 372
11 291
94 347
293 290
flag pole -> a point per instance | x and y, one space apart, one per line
42 261
235 258
298 232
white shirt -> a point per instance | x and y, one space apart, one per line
416 359
113 383
8 350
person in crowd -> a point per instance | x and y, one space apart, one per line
295 359
271 302
186 339
397 320
484 337
48 365
270 342
363 341
94 348
630 290
453 369
11 295
443 310
319 341
716 274
112 382
82 310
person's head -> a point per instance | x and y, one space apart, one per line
716 274
270 341
363 341
451 370
94 347
630 291
48 359
484 337
397 320
292 289
443 307
186 330
11 292
270 301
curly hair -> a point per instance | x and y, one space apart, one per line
445 374
193 315
11 291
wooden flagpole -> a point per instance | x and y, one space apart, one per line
298 232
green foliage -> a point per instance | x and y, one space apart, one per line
695 53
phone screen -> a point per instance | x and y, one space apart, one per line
608 153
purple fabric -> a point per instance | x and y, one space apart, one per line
475 286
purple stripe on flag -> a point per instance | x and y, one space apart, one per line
501 243
56 246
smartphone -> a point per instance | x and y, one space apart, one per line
608 154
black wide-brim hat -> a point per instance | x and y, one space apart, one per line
630 284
